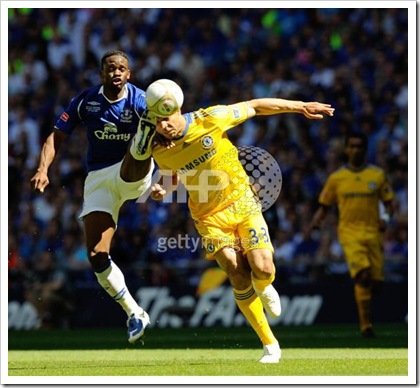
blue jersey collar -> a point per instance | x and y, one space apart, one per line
125 95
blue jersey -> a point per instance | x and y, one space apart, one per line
109 125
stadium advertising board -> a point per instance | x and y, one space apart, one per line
301 305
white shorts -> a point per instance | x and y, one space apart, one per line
105 191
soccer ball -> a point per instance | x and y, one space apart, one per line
164 97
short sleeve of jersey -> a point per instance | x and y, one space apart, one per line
226 116
328 194
140 100
166 170
385 191
70 117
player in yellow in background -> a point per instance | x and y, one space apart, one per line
225 209
357 189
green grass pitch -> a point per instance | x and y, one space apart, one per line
333 350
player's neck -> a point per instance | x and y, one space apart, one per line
112 94
356 167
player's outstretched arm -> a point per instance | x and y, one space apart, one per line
272 106
40 180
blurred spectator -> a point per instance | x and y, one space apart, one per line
24 135
47 289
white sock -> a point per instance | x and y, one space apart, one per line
113 282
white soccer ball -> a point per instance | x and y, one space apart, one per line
164 97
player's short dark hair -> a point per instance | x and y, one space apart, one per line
110 54
356 135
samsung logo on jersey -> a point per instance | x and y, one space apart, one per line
358 195
196 162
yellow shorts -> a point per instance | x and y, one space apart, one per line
235 227
363 251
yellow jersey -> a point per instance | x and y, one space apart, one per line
206 161
357 194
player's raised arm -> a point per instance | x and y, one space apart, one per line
272 106
53 142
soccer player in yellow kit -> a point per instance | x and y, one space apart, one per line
225 209
357 189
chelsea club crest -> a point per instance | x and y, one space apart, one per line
207 142
372 185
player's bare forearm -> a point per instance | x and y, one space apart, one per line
47 154
389 207
271 106
385 216
318 217
40 180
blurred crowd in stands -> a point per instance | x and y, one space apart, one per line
354 59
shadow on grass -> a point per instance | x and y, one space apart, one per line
316 336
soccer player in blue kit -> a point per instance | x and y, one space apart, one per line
117 172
